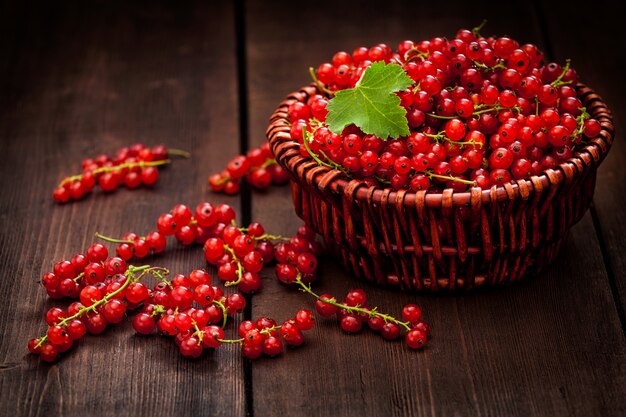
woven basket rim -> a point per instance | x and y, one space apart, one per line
325 178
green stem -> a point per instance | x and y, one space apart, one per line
496 107
319 84
179 152
442 136
478 110
240 341
239 267
580 121
477 29
536 106
483 67
112 240
333 164
266 236
79 276
199 333
431 174
224 312
419 54
129 165
158 310
268 162
437 116
224 180
558 82
350 309
130 277
330 164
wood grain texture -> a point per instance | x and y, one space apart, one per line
515 351
77 80
82 79
600 62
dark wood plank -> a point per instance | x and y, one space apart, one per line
600 63
551 347
78 80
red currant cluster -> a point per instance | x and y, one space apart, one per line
298 257
258 167
238 252
241 253
70 277
130 166
188 308
297 264
186 226
266 337
353 311
481 112
103 301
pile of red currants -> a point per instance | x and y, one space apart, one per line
481 112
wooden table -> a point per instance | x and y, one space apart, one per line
79 79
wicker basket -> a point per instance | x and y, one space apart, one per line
437 242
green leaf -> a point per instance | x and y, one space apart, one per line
372 104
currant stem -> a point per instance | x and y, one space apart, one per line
442 136
268 162
419 54
238 341
333 164
130 277
179 152
353 310
477 29
329 164
79 276
272 237
580 120
537 106
239 267
224 180
305 139
483 67
478 110
497 107
129 165
241 340
158 310
431 174
558 82
437 116
198 333
111 239
224 312
319 84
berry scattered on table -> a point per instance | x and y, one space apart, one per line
131 167
258 168
297 264
190 308
102 302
